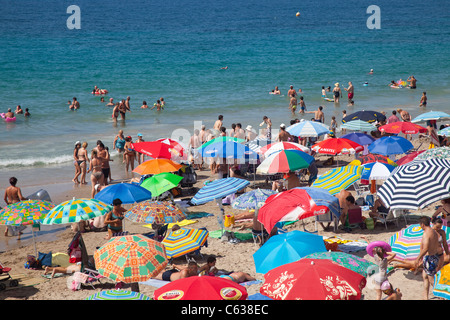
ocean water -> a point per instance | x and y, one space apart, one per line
175 49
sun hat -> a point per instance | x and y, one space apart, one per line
282 125
78 142
139 134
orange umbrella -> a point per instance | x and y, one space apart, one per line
156 166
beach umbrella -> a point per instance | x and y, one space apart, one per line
160 183
228 150
286 248
358 125
201 288
404 127
390 145
359 138
376 171
335 146
220 139
284 145
435 153
416 184
368 116
284 161
219 189
306 128
409 157
256 144
253 199
313 279
117 295
375 158
156 166
338 179
126 192
159 212
154 149
76 210
441 286
350 261
432 115
296 204
444 132
130 259
175 146
183 241
406 242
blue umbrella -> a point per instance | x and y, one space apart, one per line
432 115
253 199
376 170
126 192
229 150
286 248
359 138
323 197
218 189
390 145
308 129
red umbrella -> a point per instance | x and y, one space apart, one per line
409 157
201 288
174 145
154 149
335 146
375 158
313 279
400 126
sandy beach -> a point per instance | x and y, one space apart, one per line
230 257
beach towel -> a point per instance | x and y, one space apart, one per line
243 236
155 283
196 215
182 223
249 283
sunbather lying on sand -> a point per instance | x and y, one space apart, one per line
238 277
70 269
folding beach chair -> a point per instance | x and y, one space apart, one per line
392 216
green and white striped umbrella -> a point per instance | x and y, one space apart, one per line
358 125
435 153
118 295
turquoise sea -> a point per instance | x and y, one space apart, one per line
175 49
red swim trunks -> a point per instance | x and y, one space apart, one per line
350 95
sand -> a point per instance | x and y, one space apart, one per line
230 257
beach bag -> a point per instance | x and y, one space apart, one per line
75 255
32 263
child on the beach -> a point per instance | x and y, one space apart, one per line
113 219
423 100
209 269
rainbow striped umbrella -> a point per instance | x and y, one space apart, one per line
76 210
118 295
338 179
25 212
285 161
159 212
441 287
183 241
406 242
129 259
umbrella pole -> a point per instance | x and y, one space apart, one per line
221 215
34 242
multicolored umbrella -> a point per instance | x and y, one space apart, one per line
335 146
432 115
129 259
368 116
160 183
404 127
358 125
416 184
286 248
359 138
390 145
118 295
435 153
201 288
338 179
154 149
156 166
219 189
406 242
284 145
252 200
126 192
376 171
444 132
284 161
409 157
308 129
296 204
75 210
350 261
441 287
25 212
159 212
375 158
313 279
220 139
184 241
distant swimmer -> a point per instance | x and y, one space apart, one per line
9 114
293 104
75 104
163 102
115 112
423 100
302 105
337 92
412 82
19 110
275 91
27 113
224 68
110 103
350 92
291 92
324 93
157 105
144 105
371 71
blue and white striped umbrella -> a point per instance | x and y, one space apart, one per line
219 189
118 295
258 143
432 115
416 184
229 150
308 129
252 200
358 125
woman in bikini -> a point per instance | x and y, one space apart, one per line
76 162
82 161
113 219
97 174
130 154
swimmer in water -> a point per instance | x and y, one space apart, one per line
224 68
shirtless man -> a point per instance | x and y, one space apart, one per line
18 110
346 202
110 103
174 274
219 122
115 112
429 248
283 135
9 114
127 104
268 122
350 91
302 105
406 117
240 133
412 82
318 114
423 100
75 104
292 92
13 194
